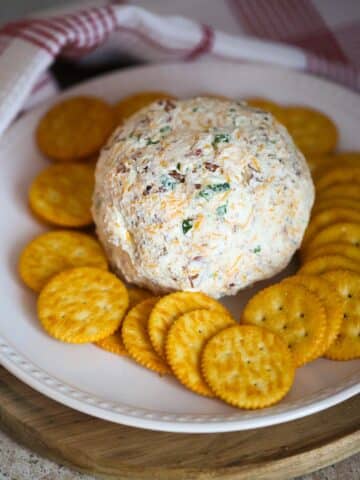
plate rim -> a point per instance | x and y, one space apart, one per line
32 375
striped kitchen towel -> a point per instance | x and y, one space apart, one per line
318 36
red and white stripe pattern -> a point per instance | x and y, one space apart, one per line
74 34
290 33
332 53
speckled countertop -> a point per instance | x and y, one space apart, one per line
18 463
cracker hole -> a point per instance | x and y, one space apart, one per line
345 315
280 307
285 327
349 295
301 315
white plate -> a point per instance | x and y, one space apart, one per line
101 384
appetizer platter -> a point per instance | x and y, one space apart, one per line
219 289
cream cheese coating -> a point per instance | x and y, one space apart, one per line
201 194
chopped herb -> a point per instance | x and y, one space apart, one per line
210 190
257 249
222 210
187 225
273 141
149 141
178 166
138 137
232 109
221 138
195 109
165 129
167 183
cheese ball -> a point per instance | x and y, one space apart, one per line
202 195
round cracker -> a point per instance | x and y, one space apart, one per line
343 190
312 131
82 305
264 104
113 343
294 313
51 253
248 366
185 341
341 232
169 308
133 103
335 202
321 164
137 295
338 176
347 344
327 263
329 217
343 249
136 339
75 128
331 301
62 194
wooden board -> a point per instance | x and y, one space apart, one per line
110 451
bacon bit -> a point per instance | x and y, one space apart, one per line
147 190
178 176
169 105
231 285
211 166
121 168
197 258
191 278
198 152
197 186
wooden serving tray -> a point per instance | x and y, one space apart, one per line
111 451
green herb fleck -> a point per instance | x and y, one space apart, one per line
165 129
195 109
273 141
222 210
257 249
220 138
232 109
178 166
149 141
187 225
167 182
210 190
